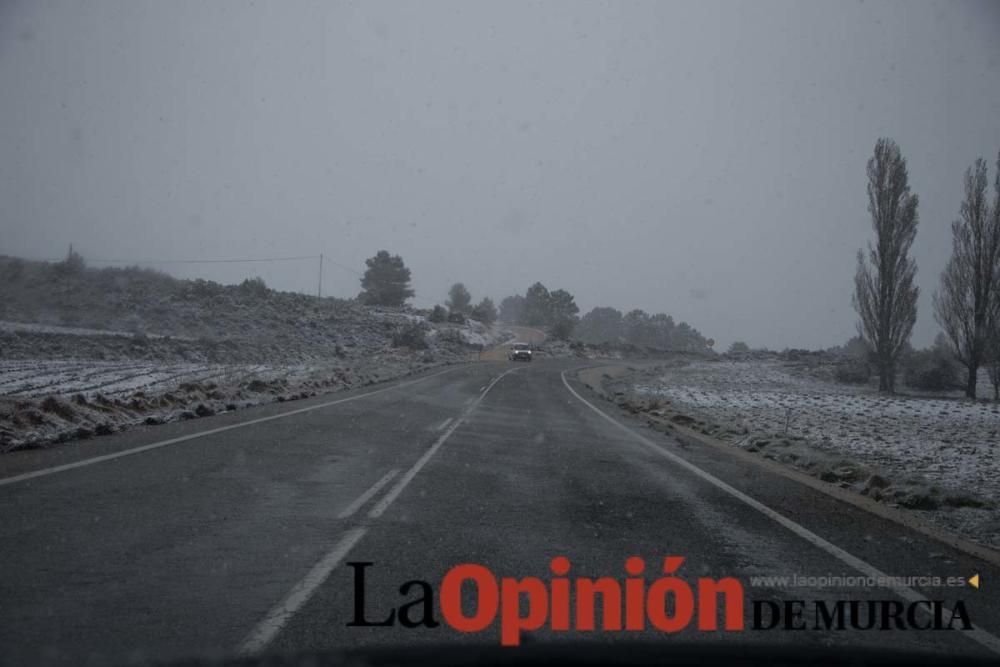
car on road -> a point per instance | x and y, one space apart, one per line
519 352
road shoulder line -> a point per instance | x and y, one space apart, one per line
860 502
977 634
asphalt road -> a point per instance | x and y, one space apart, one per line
238 540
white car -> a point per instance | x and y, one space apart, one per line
519 352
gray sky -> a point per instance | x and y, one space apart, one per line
702 159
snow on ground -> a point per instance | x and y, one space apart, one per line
34 327
57 385
31 379
937 453
478 335
45 402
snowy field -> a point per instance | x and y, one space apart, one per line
32 379
50 397
944 447
33 327
35 379
47 402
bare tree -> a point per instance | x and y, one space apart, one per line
966 304
993 336
993 361
884 294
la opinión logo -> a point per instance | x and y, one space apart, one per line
625 605
668 604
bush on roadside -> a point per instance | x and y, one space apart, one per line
451 335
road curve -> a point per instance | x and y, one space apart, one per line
522 335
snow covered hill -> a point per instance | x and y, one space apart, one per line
90 351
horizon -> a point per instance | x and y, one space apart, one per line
703 160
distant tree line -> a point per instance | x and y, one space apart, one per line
386 282
637 327
538 307
557 310
967 304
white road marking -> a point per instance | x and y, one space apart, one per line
978 634
265 631
443 424
387 500
469 400
184 438
367 495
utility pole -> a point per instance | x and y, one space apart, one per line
319 288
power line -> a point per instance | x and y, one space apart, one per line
193 261
326 259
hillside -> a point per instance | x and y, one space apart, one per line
85 351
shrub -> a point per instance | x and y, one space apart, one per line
255 288
438 314
451 336
932 369
739 347
203 289
456 317
410 335
852 372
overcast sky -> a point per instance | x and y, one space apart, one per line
702 159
